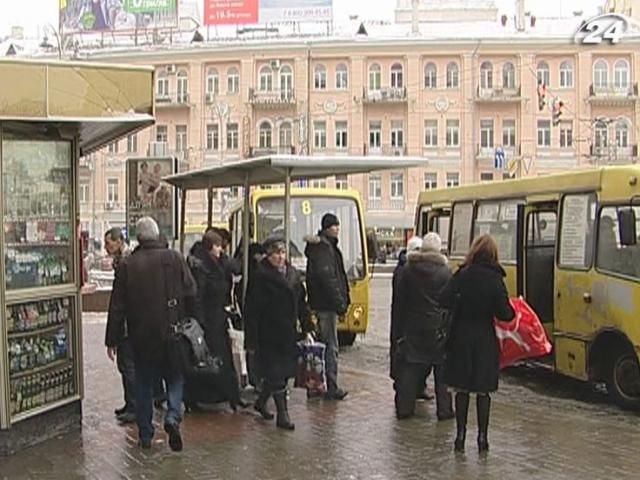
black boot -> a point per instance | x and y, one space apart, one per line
483 406
462 409
283 421
261 402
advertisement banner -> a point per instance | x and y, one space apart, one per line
230 12
91 16
148 195
273 11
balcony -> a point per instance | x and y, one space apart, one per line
110 206
264 151
158 149
374 204
397 204
173 101
272 99
614 155
486 156
386 150
384 95
498 95
612 95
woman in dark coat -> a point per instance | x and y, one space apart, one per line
276 301
421 326
213 277
477 295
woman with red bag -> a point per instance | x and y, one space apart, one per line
476 295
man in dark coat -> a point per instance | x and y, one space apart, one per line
153 290
328 288
276 302
423 325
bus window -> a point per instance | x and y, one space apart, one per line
576 231
424 220
439 223
499 219
611 256
461 229
541 230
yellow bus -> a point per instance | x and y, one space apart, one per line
568 243
194 232
308 205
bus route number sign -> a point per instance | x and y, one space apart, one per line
306 208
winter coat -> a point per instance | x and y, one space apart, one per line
213 278
145 281
477 295
276 302
326 278
419 318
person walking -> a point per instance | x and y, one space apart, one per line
276 303
152 291
476 295
117 249
328 289
421 327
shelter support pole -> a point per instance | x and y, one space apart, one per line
209 207
287 210
245 236
183 216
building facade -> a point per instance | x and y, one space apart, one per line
464 96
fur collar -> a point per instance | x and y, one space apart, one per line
426 257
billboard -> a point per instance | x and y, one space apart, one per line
93 16
273 11
148 195
230 12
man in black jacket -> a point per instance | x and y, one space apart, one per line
328 289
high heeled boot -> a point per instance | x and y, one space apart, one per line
462 409
483 407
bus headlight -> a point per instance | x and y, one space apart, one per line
358 312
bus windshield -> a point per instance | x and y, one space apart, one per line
306 215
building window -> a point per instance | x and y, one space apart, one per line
544 133
486 133
375 134
233 81
375 77
213 82
486 75
622 134
181 138
508 76
397 186
566 75
113 148
397 134
183 87
132 143
342 136
322 183
112 190
162 133
397 80
453 179
601 135
453 75
621 75
342 182
265 135
543 74
285 135
430 181
431 76
320 77
431 133
342 77
266 79
162 86
600 74
286 82
320 134
453 133
232 136
84 191
566 135
509 133
375 187
486 177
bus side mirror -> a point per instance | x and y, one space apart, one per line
627 226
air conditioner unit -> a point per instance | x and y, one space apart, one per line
275 64
171 69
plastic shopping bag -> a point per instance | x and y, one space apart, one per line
522 338
310 371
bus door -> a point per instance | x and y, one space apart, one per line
537 268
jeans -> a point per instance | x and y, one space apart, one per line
146 376
328 322
126 367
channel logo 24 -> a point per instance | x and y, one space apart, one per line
608 26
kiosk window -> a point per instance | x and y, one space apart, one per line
576 231
461 228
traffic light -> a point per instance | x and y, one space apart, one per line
542 95
557 111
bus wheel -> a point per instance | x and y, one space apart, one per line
346 339
623 385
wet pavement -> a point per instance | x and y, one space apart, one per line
542 427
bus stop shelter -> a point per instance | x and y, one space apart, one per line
275 169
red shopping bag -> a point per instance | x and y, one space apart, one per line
522 338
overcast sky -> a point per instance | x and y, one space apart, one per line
34 13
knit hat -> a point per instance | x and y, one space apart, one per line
414 244
431 242
274 244
329 220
